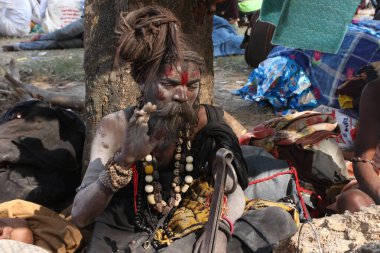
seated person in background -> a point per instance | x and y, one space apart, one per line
229 10
144 158
70 36
366 160
15 17
247 8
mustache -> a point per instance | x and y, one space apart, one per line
173 109
170 118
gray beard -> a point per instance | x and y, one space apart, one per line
168 120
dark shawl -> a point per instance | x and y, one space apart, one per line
214 136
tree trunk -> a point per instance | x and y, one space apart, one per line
105 93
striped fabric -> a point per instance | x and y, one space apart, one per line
11 246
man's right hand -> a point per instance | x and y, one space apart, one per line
137 143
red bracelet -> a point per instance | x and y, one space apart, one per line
230 223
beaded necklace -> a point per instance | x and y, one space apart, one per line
180 184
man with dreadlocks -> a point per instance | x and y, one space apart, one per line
149 181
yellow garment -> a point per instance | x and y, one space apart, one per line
193 213
256 204
51 231
345 102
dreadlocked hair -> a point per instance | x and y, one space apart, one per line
192 56
148 38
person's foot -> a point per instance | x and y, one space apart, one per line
11 48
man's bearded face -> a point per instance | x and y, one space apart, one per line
175 94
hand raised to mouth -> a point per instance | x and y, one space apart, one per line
137 143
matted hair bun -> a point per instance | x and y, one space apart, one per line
148 38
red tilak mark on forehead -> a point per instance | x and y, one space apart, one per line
184 78
168 70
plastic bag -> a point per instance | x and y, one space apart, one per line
61 13
347 124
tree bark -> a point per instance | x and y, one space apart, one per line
106 92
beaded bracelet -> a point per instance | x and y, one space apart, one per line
115 176
105 180
358 159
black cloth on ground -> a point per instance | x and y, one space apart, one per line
41 153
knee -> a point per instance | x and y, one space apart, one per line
353 201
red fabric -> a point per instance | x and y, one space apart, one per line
229 223
270 177
135 186
299 192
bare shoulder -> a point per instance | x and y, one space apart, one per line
369 101
110 132
372 90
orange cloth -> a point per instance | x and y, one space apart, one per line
51 231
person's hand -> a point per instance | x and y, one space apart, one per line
137 143
36 37
5 232
15 229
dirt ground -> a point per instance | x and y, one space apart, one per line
62 70
350 232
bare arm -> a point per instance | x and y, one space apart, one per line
91 201
115 133
367 140
236 126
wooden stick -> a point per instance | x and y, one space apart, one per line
20 93
14 70
56 98
5 92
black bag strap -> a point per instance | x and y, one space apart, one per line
214 114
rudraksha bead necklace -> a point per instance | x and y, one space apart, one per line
180 184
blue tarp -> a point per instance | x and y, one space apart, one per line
279 77
360 47
281 82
